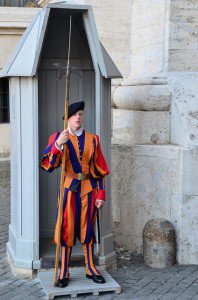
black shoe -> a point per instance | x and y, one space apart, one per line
96 278
62 282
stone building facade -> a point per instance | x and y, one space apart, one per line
154 117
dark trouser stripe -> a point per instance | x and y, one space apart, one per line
89 258
66 255
88 253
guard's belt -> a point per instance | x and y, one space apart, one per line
79 176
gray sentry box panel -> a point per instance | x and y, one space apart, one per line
36 106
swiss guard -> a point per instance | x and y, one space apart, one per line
84 189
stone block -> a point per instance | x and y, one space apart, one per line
139 127
147 38
159 244
142 98
184 108
143 180
184 208
190 172
183 36
111 23
185 221
183 60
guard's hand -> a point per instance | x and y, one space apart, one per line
99 203
63 137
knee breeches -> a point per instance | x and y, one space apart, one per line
79 216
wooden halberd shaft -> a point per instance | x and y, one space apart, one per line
62 189
61 193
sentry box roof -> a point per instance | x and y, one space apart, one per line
25 59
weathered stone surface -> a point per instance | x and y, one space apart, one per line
142 98
184 209
155 181
148 23
143 180
140 127
184 130
159 243
183 37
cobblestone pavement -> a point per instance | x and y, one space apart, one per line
137 281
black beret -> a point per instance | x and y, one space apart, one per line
74 107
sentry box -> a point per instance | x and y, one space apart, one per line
36 111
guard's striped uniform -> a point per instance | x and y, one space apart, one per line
83 155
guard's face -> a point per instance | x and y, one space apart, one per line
76 120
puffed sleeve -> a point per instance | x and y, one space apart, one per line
52 156
99 169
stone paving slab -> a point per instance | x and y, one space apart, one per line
136 280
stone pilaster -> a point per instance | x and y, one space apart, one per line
144 92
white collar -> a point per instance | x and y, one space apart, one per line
78 132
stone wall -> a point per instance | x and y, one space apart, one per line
183 82
113 20
183 36
148 38
183 71
158 104
144 178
